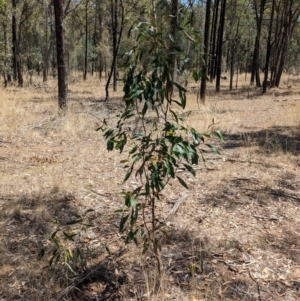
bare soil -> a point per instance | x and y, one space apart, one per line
236 236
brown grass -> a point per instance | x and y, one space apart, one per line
236 237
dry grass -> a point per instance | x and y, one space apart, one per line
235 238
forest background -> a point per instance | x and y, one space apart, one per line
234 235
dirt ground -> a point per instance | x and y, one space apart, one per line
235 237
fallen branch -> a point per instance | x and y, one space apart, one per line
176 206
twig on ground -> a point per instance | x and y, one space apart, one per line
266 217
176 206
258 286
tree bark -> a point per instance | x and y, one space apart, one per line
220 42
86 42
269 48
14 40
206 49
255 61
60 49
213 41
116 43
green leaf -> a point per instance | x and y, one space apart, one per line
213 148
170 168
135 95
69 236
122 222
179 87
195 75
79 256
110 145
219 135
174 115
182 182
190 169
133 150
53 234
145 108
128 175
132 202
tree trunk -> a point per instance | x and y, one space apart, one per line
116 42
6 75
213 41
255 60
61 60
100 16
269 48
219 48
86 42
14 40
287 15
205 56
19 62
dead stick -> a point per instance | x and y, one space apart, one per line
258 286
176 206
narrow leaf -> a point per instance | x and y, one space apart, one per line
182 182
190 169
213 148
219 135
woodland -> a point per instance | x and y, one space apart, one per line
149 150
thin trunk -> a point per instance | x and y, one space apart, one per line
205 56
5 73
213 40
48 49
255 60
115 75
94 46
115 53
269 48
100 13
292 19
14 40
19 62
60 52
219 49
86 42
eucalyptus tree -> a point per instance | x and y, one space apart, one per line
117 11
213 39
206 50
4 43
287 15
269 48
219 45
61 56
259 9
60 12
22 16
49 37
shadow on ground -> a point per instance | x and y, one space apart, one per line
271 140
27 221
